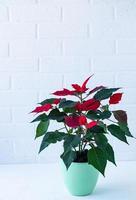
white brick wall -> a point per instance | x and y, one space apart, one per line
11 65
35 13
47 44
17 30
35 48
4 51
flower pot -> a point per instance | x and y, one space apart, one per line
80 179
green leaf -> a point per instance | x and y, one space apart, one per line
96 89
100 139
63 100
94 115
43 117
106 107
89 135
51 100
103 125
69 110
110 153
97 158
105 115
125 128
68 157
105 93
55 114
71 141
70 131
51 138
67 104
97 129
117 132
120 116
42 128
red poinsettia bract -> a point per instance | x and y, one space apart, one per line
77 89
75 121
115 98
91 104
91 124
57 101
83 88
43 108
83 121
63 92
72 121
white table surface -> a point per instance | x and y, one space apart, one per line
44 182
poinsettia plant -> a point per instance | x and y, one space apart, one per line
86 123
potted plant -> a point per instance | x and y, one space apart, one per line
86 121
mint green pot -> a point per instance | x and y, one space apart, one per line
80 179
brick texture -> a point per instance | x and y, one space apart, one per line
48 44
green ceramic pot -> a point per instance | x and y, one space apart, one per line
80 179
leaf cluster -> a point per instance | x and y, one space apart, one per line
78 139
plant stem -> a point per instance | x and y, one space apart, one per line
74 149
112 121
92 145
84 145
60 129
81 98
85 96
80 148
66 128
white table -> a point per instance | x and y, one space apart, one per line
44 182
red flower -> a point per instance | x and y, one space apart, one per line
82 120
72 121
43 108
91 124
57 101
83 88
63 92
115 98
77 87
91 104
78 106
